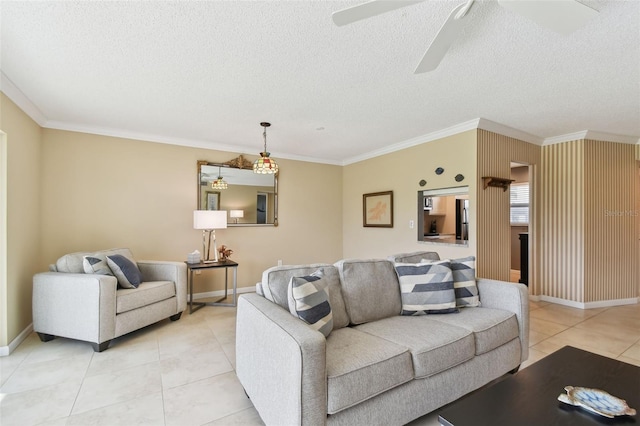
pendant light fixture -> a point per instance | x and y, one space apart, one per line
265 165
219 183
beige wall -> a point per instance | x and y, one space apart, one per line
400 172
102 192
23 138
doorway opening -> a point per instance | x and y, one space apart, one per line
520 222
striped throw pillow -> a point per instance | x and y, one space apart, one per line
309 300
464 282
426 288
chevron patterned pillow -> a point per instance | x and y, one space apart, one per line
464 282
426 288
309 300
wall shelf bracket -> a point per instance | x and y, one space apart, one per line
496 182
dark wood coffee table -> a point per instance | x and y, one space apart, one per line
529 397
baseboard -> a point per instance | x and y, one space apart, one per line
220 293
589 305
6 350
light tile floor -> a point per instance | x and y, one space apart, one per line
182 373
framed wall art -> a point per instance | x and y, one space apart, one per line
377 209
213 200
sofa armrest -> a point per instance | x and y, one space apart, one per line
510 297
155 270
281 363
77 306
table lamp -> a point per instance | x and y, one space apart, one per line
209 221
235 214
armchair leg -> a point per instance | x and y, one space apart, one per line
45 337
175 317
99 347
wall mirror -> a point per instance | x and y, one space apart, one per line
250 199
443 215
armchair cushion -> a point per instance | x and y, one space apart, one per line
146 294
126 271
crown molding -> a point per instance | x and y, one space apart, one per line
20 99
191 143
592 135
610 137
419 140
503 130
24 103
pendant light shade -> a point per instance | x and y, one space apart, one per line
265 165
219 183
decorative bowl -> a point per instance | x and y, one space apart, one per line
596 401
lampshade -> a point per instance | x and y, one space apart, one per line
219 183
236 213
265 165
209 219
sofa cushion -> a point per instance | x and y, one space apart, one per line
72 262
361 366
309 301
147 293
426 288
435 346
370 289
96 265
125 270
491 327
414 257
275 282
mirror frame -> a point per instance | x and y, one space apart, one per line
243 164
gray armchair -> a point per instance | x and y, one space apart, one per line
87 306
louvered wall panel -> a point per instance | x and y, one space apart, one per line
610 221
495 154
561 221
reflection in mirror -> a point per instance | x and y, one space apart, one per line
443 215
252 197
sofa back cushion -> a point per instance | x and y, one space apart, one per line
275 281
72 262
370 289
414 257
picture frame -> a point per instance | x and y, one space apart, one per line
377 209
213 200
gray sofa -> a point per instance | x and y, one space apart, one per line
376 367
67 302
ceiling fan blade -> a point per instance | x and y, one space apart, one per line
368 9
562 16
448 33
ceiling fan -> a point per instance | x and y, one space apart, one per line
563 16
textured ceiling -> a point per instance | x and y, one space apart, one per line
207 73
